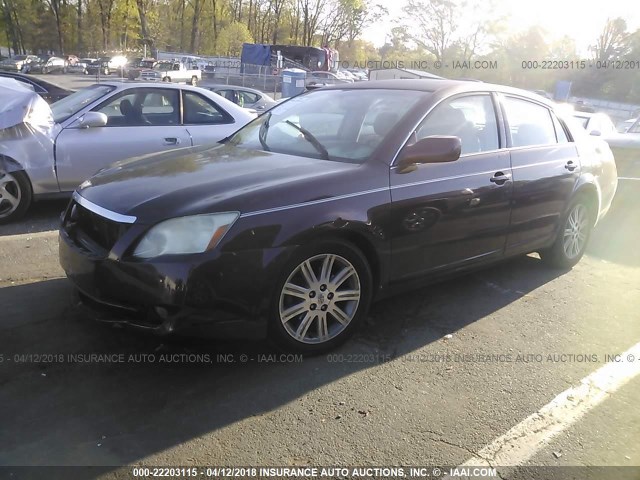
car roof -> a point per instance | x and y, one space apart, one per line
437 85
235 87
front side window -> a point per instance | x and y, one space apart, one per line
69 106
142 107
472 118
202 111
530 123
342 125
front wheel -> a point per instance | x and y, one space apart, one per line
15 195
573 237
323 294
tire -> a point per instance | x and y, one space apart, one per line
18 186
167 79
194 81
45 70
107 71
297 312
573 236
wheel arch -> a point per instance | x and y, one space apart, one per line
362 243
591 191
10 164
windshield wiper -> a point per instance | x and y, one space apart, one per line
311 139
262 133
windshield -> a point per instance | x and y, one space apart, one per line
68 106
343 125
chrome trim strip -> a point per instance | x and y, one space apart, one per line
313 202
453 177
103 212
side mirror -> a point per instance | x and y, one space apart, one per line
93 119
434 149
595 133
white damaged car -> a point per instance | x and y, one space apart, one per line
47 151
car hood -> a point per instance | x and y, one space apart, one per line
19 104
223 178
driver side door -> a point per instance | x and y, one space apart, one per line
140 121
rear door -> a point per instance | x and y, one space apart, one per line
140 121
205 120
546 168
448 215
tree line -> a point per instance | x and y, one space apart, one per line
197 26
428 31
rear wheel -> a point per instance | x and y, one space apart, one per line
107 71
322 296
573 237
167 79
15 195
194 80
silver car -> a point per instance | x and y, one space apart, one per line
245 97
50 152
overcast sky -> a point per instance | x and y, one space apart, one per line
579 19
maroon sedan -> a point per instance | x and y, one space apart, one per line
333 199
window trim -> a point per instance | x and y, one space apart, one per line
507 128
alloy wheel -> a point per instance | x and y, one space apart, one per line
576 231
10 194
320 299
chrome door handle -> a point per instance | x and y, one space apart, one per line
500 178
571 166
171 141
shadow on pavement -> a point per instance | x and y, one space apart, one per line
42 216
143 407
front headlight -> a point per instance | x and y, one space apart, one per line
195 234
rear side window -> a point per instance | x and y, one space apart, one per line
529 123
560 132
199 110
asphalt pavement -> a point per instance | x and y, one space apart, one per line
433 377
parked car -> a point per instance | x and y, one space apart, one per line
98 125
107 65
136 66
50 92
46 64
245 97
81 66
623 127
626 150
172 71
17 62
324 78
336 197
597 124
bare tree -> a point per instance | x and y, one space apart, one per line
613 41
434 22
